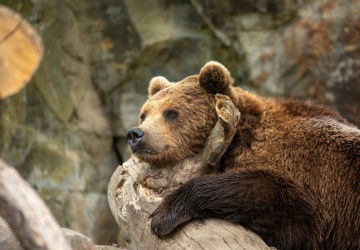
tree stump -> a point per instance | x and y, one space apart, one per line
137 188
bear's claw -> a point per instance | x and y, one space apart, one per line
165 220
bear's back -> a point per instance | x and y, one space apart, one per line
313 145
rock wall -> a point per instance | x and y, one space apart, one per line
65 132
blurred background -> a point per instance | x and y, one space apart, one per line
66 131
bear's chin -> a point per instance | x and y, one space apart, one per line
163 158
143 150
156 160
155 157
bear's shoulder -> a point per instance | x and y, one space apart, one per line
309 108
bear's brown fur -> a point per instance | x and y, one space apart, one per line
291 173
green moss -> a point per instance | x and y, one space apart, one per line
24 7
12 112
16 143
47 162
50 81
13 109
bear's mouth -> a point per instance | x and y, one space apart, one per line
148 152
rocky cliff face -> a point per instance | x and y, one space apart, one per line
65 132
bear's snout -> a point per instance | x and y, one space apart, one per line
135 136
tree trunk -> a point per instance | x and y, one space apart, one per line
132 203
26 214
137 188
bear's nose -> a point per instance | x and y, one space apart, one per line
135 136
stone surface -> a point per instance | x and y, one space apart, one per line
89 213
78 241
49 132
66 132
323 44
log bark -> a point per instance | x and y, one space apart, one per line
137 188
26 214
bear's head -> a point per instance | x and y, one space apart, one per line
178 117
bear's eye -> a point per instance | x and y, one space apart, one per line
171 115
142 116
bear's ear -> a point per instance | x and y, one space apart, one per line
157 83
215 78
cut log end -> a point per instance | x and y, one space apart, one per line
21 51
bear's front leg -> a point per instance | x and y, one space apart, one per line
165 219
274 207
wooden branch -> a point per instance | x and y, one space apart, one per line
223 132
7 239
21 51
137 188
26 214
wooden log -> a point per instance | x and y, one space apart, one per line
7 239
21 51
131 204
26 214
137 188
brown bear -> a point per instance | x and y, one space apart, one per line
291 173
